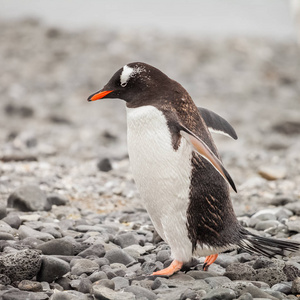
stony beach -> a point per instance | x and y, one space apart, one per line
72 224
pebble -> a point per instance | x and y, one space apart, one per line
84 266
272 172
29 198
13 220
118 256
52 268
104 165
220 293
28 285
140 292
96 250
126 239
25 231
57 247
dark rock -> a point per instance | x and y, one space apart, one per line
163 255
189 294
13 220
118 256
240 272
94 250
294 207
126 239
84 266
224 260
28 198
104 165
3 212
20 265
291 270
30 286
55 199
57 247
85 286
246 296
287 127
4 279
64 282
69 295
140 292
220 294
52 268
149 267
262 262
56 286
257 293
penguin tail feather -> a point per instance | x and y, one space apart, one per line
267 246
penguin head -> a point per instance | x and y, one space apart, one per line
136 83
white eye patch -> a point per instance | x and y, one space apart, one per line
127 73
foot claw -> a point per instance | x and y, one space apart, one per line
209 260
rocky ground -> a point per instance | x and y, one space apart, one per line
73 225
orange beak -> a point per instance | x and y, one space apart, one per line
98 96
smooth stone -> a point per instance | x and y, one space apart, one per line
189 294
215 282
293 225
224 260
55 233
13 220
120 283
98 275
246 296
137 248
264 225
272 172
126 239
64 282
85 286
257 293
140 292
84 266
25 231
105 293
55 199
4 236
24 295
69 295
163 255
52 268
201 274
28 285
29 198
57 247
283 287
104 165
294 207
5 228
105 282
220 293
20 265
118 256
94 250
3 212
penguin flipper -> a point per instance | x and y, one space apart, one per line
201 148
216 123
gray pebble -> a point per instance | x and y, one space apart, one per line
293 225
246 296
263 225
25 231
84 266
201 274
13 220
126 239
105 282
94 250
28 285
140 292
6 236
283 287
291 270
85 286
52 268
64 282
163 255
220 293
20 265
224 260
105 293
216 281
57 247
239 271
5 228
55 233
118 256
98 275
120 283
69 295
24 295
189 294
296 286
3 212
29 198
104 165
55 199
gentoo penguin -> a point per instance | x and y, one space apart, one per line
178 170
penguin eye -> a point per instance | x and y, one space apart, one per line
123 84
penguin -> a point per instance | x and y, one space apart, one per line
178 171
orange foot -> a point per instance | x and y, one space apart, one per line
209 260
174 267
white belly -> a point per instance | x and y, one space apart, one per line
162 176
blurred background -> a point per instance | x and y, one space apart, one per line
238 58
